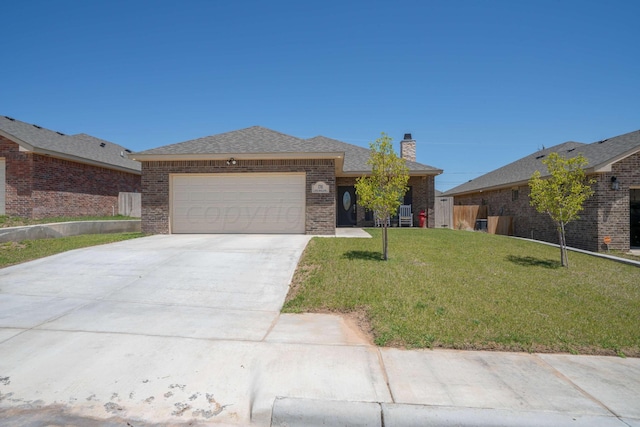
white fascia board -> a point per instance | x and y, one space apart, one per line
600 169
237 156
351 174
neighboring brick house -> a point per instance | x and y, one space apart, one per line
45 174
613 211
257 180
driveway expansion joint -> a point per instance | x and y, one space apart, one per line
384 373
568 380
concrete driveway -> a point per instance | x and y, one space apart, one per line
162 329
185 330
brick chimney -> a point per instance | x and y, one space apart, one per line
408 148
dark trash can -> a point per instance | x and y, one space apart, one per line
481 225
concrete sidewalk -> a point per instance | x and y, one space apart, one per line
456 388
448 387
186 330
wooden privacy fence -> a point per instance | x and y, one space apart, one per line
474 217
465 216
500 225
130 204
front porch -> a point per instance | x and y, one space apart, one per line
421 197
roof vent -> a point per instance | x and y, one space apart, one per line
407 136
10 118
127 150
604 140
102 144
36 126
540 156
60 133
570 150
122 154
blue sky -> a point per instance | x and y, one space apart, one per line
478 83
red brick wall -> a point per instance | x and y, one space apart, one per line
613 207
320 208
19 167
606 213
424 196
41 186
66 188
527 222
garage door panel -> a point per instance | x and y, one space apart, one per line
180 196
213 197
234 203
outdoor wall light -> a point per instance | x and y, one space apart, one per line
231 161
615 185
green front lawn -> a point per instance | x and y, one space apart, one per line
465 290
15 253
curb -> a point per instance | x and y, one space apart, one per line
290 412
582 251
294 412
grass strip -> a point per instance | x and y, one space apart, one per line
465 290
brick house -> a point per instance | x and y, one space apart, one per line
257 180
44 173
613 210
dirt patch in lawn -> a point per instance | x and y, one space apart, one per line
302 274
358 323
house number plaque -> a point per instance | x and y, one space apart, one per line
320 187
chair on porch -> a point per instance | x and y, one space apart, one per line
378 221
405 216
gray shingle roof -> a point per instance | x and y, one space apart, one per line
75 147
355 157
260 140
599 154
255 139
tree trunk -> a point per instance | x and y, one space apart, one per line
384 241
564 260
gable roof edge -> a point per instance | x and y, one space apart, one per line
17 140
83 160
64 156
606 166
486 189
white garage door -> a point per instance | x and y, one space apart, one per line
238 203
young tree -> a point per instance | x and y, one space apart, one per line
382 191
562 194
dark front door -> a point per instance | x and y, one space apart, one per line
634 216
408 197
346 205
